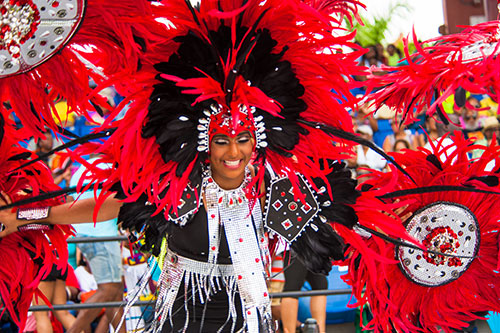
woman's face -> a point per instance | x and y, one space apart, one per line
228 158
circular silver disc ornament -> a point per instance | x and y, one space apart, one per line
32 31
443 227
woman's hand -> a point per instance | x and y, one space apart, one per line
8 218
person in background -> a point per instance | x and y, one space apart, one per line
491 127
105 262
401 133
365 155
54 288
381 54
399 145
295 276
394 55
58 163
470 121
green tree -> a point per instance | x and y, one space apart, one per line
373 30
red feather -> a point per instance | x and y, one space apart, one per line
394 299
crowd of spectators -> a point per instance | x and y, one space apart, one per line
477 120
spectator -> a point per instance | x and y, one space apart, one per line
104 259
394 55
470 121
366 156
295 276
401 133
383 117
399 145
53 287
58 163
363 117
382 59
88 287
491 128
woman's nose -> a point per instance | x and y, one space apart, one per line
233 149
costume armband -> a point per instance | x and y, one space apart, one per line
33 214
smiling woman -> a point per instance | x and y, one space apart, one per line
237 81
229 155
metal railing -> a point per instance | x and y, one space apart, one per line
80 306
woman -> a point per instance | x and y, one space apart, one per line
234 80
231 258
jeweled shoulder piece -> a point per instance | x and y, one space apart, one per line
32 31
285 215
188 205
445 227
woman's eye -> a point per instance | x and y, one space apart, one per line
220 142
244 139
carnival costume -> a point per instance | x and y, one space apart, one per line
263 67
443 66
50 49
409 295
453 204
273 69
27 256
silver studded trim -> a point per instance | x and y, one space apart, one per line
29 214
476 51
45 27
444 227
260 128
204 125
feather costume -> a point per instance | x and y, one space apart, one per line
50 49
26 256
453 202
441 67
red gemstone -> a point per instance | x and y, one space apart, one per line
299 218
241 240
283 194
213 248
257 259
240 277
249 312
287 224
231 201
212 216
265 294
55 4
220 200
188 196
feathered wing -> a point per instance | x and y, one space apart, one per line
26 256
399 300
439 68
102 37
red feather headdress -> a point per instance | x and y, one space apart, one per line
443 66
454 201
277 60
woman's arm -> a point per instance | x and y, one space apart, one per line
81 211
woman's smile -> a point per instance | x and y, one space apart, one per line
228 158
